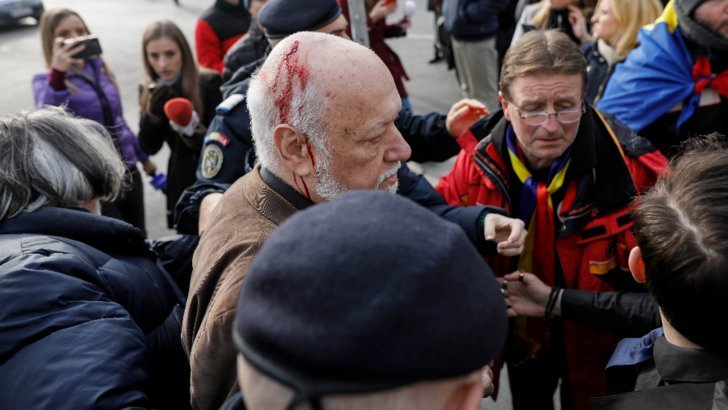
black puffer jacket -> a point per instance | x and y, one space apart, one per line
598 72
87 319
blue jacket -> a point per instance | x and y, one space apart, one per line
87 319
472 20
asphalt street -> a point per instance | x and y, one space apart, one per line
119 25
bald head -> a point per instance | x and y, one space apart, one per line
322 87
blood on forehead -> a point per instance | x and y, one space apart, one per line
291 73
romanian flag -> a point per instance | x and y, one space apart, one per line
655 77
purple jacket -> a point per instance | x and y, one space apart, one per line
85 103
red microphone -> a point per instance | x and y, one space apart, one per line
179 111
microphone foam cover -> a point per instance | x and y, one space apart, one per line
179 110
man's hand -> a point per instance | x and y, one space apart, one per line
382 9
463 114
209 203
525 293
578 24
508 233
488 385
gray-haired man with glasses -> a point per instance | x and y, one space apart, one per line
571 174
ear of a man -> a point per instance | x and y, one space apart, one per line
504 105
637 265
293 151
466 395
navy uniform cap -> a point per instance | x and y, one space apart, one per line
281 18
368 288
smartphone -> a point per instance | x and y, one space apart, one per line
388 2
93 47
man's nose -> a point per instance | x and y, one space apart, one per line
551 124
399 149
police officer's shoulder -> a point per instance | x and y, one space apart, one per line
228 104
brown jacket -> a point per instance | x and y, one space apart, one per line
246 215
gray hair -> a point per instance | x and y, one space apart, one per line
50 158
277 96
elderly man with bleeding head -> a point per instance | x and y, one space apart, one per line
303 112
322 112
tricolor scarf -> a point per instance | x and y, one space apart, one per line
658 75
536 209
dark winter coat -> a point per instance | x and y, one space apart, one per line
472 20
87 319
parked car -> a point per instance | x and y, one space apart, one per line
14 10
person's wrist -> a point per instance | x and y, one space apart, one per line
481 222
554 297
57 79
556 311
376 16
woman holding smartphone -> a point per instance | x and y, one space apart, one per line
172 73
88 88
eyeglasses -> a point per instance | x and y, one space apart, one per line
567 116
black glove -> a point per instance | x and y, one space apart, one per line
160 95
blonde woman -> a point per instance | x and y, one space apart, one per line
86 86
615 25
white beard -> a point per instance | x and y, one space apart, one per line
328 188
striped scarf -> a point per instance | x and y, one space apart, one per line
537 211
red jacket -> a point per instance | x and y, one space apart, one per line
610 165
217 30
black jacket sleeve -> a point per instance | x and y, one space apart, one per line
427 136
630 314
187 209
470 219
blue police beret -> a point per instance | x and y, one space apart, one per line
281 18
368 290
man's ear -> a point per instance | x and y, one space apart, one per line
504 105
293 150
467 395
637 265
